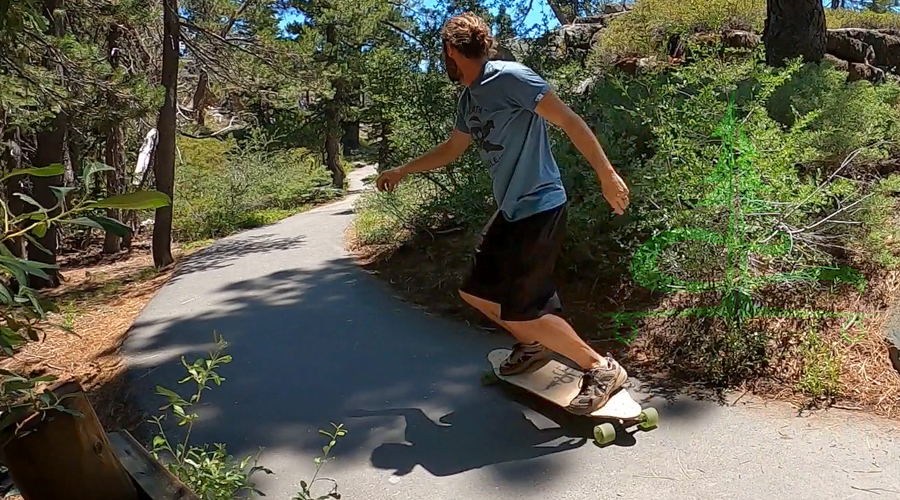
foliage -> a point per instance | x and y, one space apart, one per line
225 186
305 488
211 474
816 136
647 28
23 312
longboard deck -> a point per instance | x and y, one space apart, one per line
559 384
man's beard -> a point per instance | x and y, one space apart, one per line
452 69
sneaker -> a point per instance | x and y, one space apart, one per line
522 357
597 385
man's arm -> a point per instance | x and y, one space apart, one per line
443 154
552 109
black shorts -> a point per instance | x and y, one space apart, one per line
514 264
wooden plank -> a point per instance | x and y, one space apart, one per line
559 384
153 477
57 455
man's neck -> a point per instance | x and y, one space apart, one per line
471 70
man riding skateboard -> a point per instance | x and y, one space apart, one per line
504 107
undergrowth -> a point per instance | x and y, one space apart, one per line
226 186
820 146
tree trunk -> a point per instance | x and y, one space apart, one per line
332 151
384 145
164 168
115 139
565 11
333 129
51 145
351 137
794 28
51 149
200 96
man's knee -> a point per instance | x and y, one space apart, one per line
485 306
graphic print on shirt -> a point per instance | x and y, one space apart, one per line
481 132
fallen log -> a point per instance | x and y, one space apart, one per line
56 454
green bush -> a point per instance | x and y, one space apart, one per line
867 19
646 29
222 186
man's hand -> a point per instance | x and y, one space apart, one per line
389 179
615 191
558 113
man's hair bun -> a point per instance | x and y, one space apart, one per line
468 34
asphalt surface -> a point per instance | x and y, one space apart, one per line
317 340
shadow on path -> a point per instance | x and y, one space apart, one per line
223 253
465 439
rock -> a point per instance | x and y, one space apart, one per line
862 71
843 46
740 39
856 71
837 62
616 8
502 53
634 66
887 47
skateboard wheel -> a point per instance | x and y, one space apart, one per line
604 434
489 377
649 419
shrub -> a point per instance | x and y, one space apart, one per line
647 28
223 187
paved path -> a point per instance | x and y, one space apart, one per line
317 340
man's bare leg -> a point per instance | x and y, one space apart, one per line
549 330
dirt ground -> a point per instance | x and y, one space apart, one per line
99 299
427 273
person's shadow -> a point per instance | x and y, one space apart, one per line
468 438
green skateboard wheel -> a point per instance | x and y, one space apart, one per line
604 434
649 419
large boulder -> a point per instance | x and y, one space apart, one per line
840 44
886 46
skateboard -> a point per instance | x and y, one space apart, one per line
559 384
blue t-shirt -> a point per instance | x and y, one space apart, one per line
497 110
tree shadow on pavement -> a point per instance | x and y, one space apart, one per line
223 253
331 344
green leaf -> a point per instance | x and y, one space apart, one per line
48 171
61 192
83 221
91 169
31 201
40 230
102 223
141 200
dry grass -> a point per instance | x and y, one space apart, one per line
99 300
